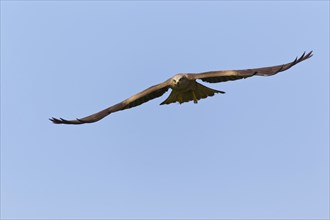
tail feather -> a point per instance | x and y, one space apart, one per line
199 92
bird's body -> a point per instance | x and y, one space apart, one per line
184 88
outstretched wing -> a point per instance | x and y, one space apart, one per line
227 75
135 100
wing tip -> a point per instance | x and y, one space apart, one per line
55 120
303 57
58 120
310 54
297 60
64 121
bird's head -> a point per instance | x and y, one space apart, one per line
179 80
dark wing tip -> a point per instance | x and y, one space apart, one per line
310 54
303 57
56 120
64 121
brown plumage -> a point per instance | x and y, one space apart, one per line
184 89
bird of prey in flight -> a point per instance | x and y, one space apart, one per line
184 89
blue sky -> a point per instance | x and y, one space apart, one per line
259 151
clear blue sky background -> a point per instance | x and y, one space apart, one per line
259 151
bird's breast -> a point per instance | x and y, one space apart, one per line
184 85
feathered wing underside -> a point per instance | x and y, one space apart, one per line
135 100
199 92
227 75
